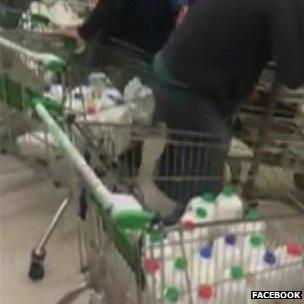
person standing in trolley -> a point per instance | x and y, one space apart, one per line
211 64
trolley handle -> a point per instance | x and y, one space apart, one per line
124 219
50 61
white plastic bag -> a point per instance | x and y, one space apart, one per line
141 98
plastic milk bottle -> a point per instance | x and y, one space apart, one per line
229 205
233 288
291 261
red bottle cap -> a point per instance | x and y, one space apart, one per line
294 249
187 225
151 266
204 291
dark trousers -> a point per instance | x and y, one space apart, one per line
193 161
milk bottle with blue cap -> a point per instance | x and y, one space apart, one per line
203 268
264 272
229 205
226 253
232 289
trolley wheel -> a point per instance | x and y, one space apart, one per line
36 271
57 184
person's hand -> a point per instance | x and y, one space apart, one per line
182 14
71 32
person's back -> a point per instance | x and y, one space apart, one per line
223 46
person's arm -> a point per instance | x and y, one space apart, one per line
180 9
288 41
99 19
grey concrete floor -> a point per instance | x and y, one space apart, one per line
27 205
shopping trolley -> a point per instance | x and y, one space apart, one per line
153 263
273 130
29 62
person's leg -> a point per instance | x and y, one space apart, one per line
198 158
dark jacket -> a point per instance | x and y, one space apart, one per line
223 45
143 23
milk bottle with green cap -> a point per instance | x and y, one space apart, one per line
172 295
207 201
252 250
175 272
229 205
252 224
233 288
190 219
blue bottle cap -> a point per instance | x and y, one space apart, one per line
269 258
230 239
77 95
206 252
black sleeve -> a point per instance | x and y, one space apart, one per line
100 18
288 41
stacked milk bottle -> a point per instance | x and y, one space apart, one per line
226 253
265 275
232 288
229 205
200 210
291 266
176 280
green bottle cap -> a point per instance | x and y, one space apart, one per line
228 190
171 294
256 240
156 237
180 263
208 197
252 215
201 212
236 272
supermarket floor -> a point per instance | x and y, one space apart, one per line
27 204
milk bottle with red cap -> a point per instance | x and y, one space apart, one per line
291 262
232 289
226 253
229 205
153 271
204 295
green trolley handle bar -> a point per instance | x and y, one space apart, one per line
50 61
126 219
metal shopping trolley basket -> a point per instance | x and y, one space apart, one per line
132 259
